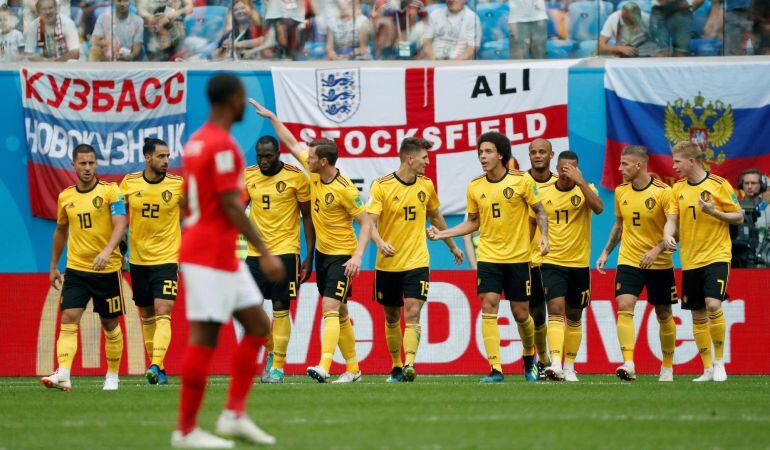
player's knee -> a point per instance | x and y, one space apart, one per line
575 315
71 316
713 304
663 312
330 304
146 312
163 307
110 323
392 314
626 303
520 311
281 305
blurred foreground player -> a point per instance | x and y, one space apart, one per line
91 219
153 198
218 286
705 206
643 205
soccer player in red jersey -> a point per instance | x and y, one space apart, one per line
218 286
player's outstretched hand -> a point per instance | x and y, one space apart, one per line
387 250
352 266
670 242
56 278
458 255
601 262
272 267
261 110
101 260
305 270
649 258
433 233
544 246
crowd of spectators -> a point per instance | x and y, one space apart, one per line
175 30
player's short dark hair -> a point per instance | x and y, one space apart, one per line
568 155
412 145
321 141
266 140
82 149
326 150
636 150
222 86
501 143
151 143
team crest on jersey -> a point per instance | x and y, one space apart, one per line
166 196
98 202
280 187
329 198
705 196
338 92
575 200
508 193
709 125
421 196
650 203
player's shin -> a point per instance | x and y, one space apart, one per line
556 339
572 337
667 335
717 329
113 348
626 334
411 342
162 339
244 368
700 330
281 334
329 338
394 338
195 367
347 344
67 346
491 333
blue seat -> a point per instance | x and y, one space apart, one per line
554 5
699 19
706 47
494 49
494 21
313 50
206 22
586 49
558 48
644 5
587 18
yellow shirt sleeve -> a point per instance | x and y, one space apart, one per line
727 199
303 188
529 193
124 186
674 210
61 213
668 203
433 202
375 199
472 207
617 205
351 200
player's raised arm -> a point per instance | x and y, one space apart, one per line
286 137
592 197
436 219
616 234
309 230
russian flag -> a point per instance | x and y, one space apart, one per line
723 106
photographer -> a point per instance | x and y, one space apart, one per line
750 238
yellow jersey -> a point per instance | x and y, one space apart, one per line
535 256
154 231
704 239
569 226
275 209
402 209
644 215
89 215
333 206
502 206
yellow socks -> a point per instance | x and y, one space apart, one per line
491 333
717 330
148 331
555 338
67 345
162 339
572 337
626 334
394 338
347 343
281 333
113 348
541 342
527 334
329 338
411 342
700 330
667 335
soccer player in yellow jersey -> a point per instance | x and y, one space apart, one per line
643 205
278 193
153 197
705 206
540 156
91 220
569 203
399 204
334 204
498 205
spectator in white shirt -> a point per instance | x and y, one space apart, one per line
52 36
11 39
118 37
528 25
453 32
629 28
347 33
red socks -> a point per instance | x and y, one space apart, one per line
243 370
195 369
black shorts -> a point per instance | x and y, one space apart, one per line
660 284
572 283
151 282
105 288
390 288
510 280
707 281
330 276
283 291
538 296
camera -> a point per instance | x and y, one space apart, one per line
749 251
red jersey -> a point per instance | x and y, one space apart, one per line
212 164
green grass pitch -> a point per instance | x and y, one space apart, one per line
435 412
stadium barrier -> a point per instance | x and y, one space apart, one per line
451 332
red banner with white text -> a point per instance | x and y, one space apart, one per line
451 330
